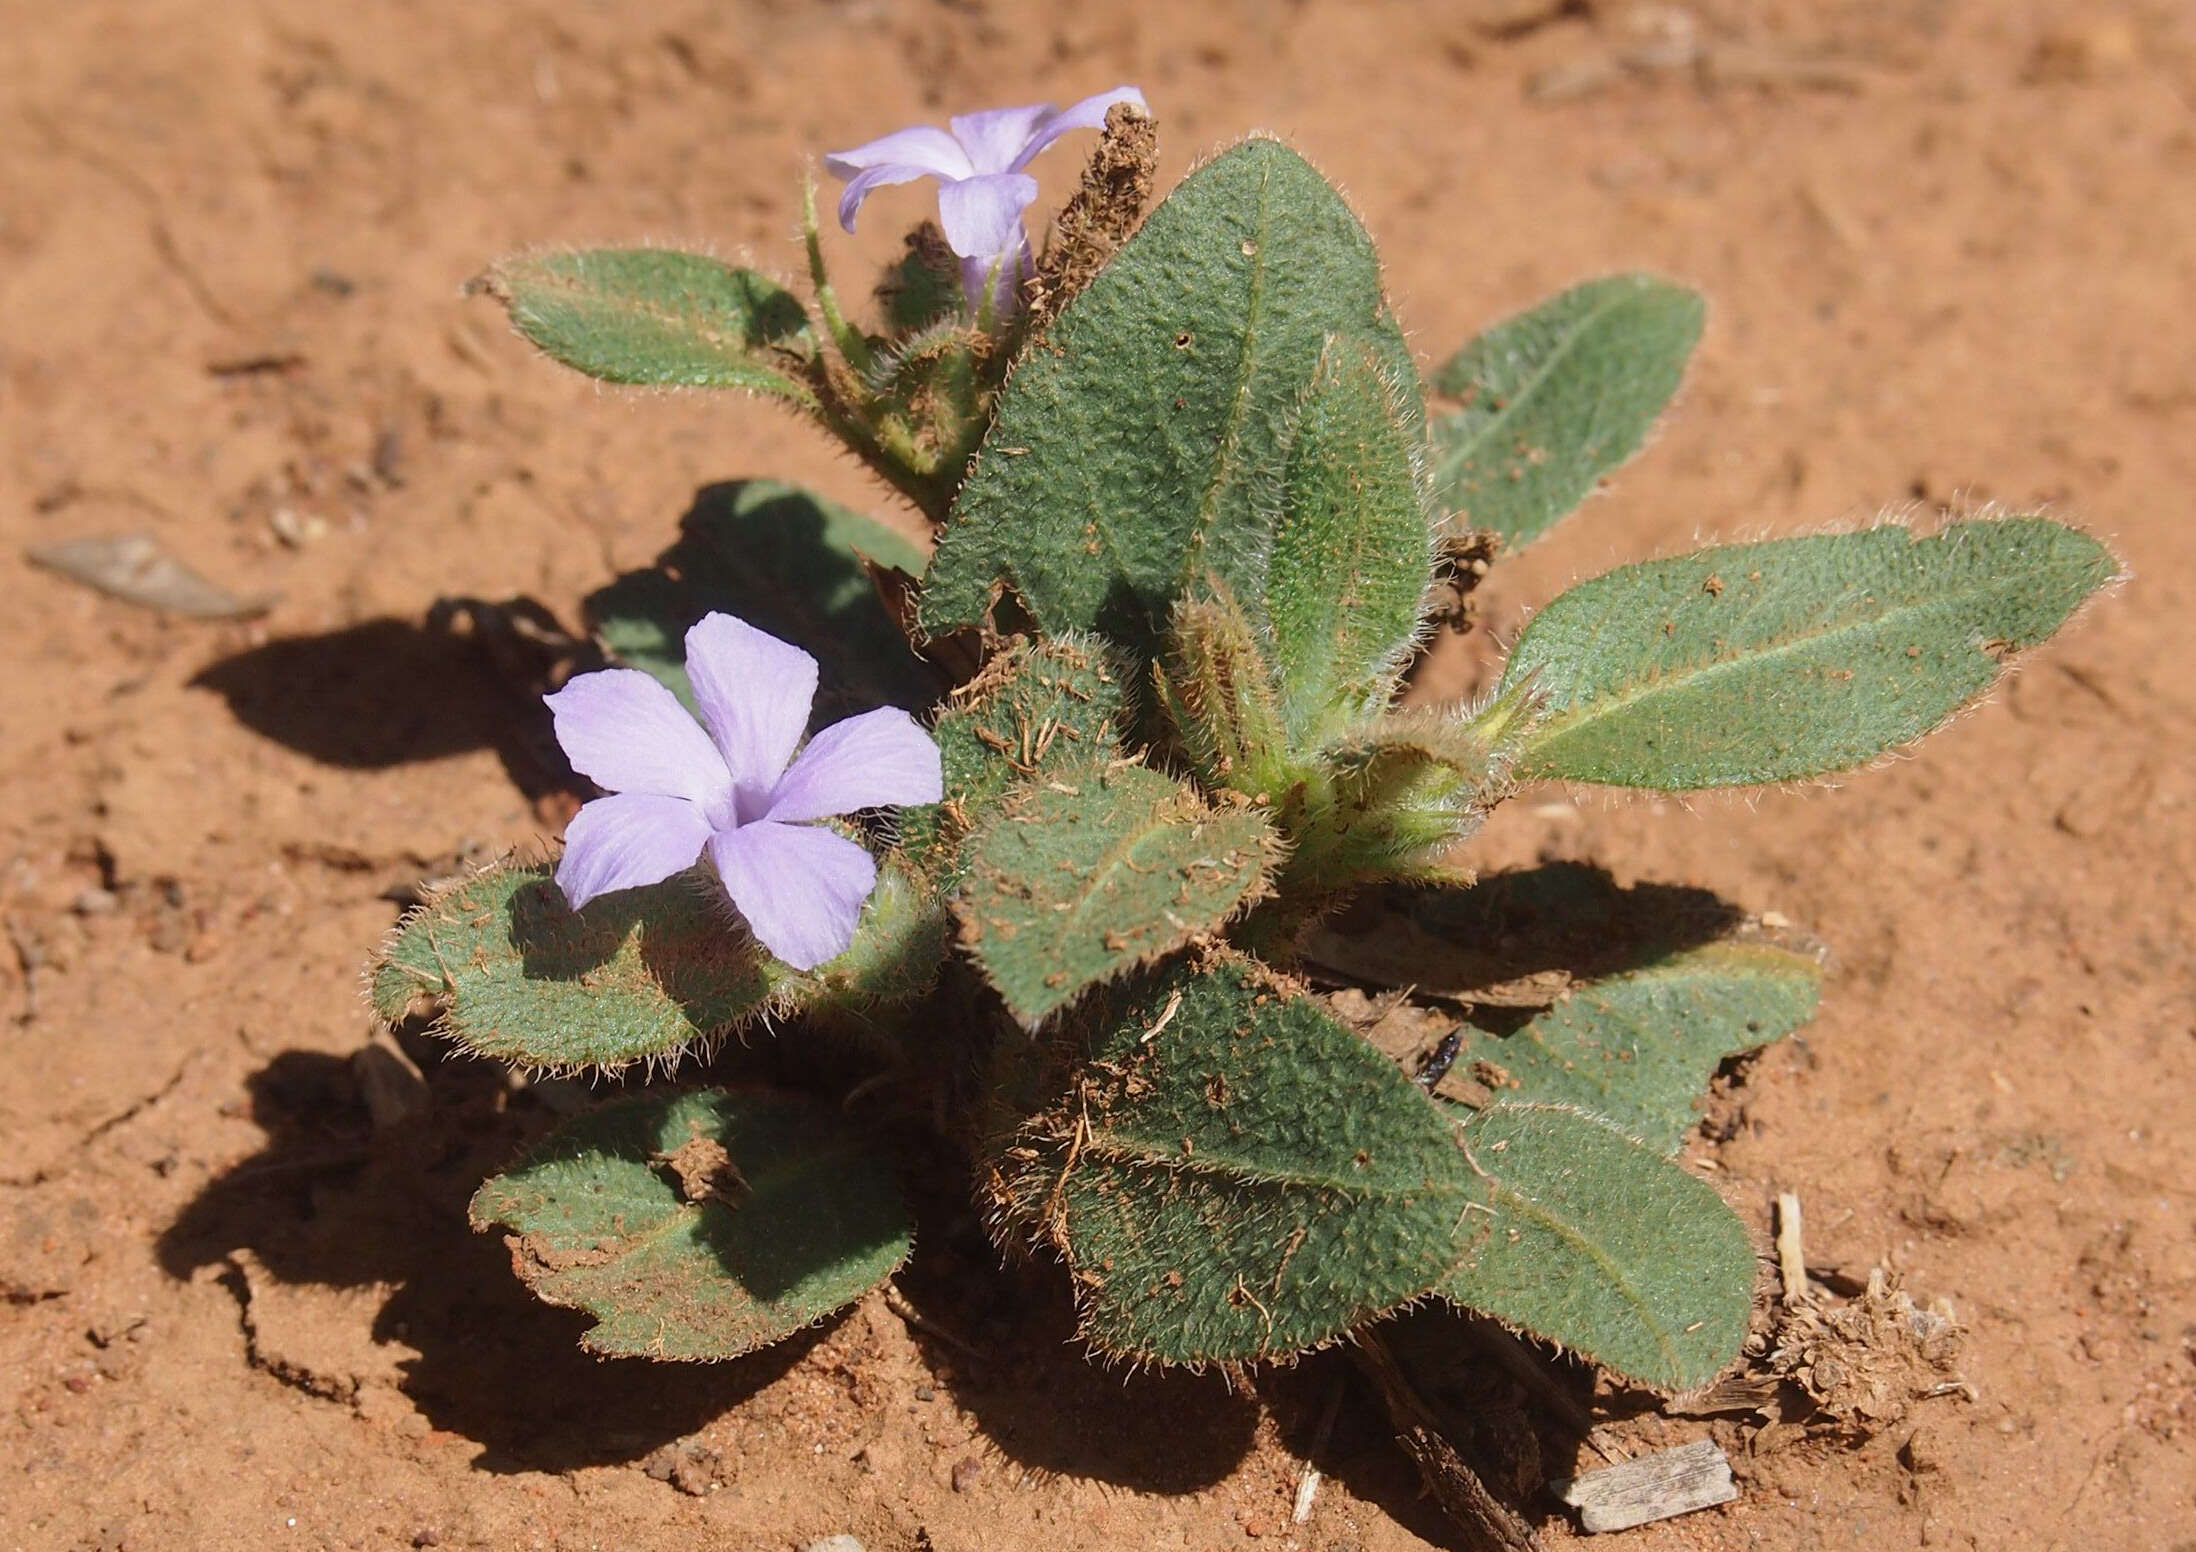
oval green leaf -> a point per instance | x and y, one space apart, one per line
1233 1175
1587 1239
658 317
1036 710
1140 445
1756 663
1557 397
516 974
1352 553
1637 1050
700 1225
1081 878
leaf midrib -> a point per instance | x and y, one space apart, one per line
1533 383
1602 704
1664 1339
1227 453
1166 1155
1687 978
734 358
1112 864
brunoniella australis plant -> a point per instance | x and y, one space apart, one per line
1138 711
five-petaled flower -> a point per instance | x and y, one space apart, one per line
735 789
982 188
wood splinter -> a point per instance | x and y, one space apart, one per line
1791 1251
1650 1487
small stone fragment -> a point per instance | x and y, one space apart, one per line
390 1082
834 1544
1649 1488
296 529
134 568
965 1473
388 462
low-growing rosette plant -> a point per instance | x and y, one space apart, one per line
1123 742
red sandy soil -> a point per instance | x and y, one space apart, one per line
1951 252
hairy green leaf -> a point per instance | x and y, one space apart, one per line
521 976
654 316
1797 657
1140 445
1077 879
700 1225
1589 1240
786 561
1555 398
1233 1175
900 944
1352 553
1638 1049
640 974
1035 711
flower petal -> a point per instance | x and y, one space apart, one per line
879 757
925 147
754 691
800 887
872 178
1090 113
982 216
993 139
627 733
626 841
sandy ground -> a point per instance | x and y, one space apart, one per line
1951 250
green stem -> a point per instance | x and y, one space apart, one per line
888 459
850 340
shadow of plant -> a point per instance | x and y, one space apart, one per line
331 1201
390 692
1006 1336
1487 944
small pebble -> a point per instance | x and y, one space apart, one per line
834 1544
965 1473
296 529
94 902
388 461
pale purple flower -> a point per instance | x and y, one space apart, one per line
735 789
982 189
